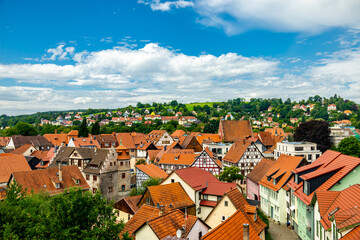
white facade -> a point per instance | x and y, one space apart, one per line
307 150
274 203
220 149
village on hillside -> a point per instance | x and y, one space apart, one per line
241 182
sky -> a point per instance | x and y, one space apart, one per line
79 54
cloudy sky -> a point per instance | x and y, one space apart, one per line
60 55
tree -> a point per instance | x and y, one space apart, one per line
231 174
212 126
139 190
95 128
83 130
315 131
349 146
141 161
25 129
73 215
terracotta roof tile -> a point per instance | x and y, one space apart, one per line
85 142
207 136
131 202
177 158
260 170
12 163
196 177
178 133
353 234
283 166
40 154
58 139
266 138
4 141
231 131
237 198
218 188
22 149
152 171
236 151
208 203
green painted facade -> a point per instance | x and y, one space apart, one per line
350 179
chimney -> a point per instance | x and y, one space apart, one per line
56 131
246 231
60 172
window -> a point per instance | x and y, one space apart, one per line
205 197
114 163
122 187
199 210
57 185
79 163
110 164
94 190
223 218
123 175
312 148
110 189
309 157
218 198
87 177
94 178
110 176
200 235
147 200
226 203
172 180
299 148
121 163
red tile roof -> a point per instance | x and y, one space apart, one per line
208 203
152 171
266 138
196 177
22 149
260 170
4 141
353 234
12 163
231 131
58 139
282 168
218 188
178 133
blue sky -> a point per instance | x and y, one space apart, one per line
58 55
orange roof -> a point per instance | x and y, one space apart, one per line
169 223
178 133
236 151
44 180
152 171
22 149
58 139
266 138
12 163
84 142
144 214
155 135
231 131
4 141
281 169
167 194
40 154
260 170
237 198
177 158
195 177
329 161
353 234
346 203
275 131
218 188
208 136
73 133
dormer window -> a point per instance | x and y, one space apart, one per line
296 178
57 185
274 181
306 187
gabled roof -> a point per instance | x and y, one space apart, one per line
236 151
184 141
36 141
266 139
344 208
178 133
353 234
260 170
169 223
177 158
155 135
195 177
12 163
45 179
57 139
22 149
218 188
152 171
40 154
169 194
131 203
144 214
330 161
85 142
231 131
208 136
282 168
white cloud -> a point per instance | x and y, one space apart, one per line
59 53
157 5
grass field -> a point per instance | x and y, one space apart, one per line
190 106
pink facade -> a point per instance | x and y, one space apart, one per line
252 190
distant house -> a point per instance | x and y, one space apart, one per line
231 131
39 142
52 180
88 142
11 163
208 162
331 107
159 138
145 172
178 134
183 120
106 140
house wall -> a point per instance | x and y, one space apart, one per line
350 179
305 221
252 190
196 229
205 211
273 203
165 140
145 233
141 177
289 149
205 162
215 217
122 216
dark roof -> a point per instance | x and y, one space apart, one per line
260 170
36 141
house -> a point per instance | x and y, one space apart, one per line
131 141
190 142
183 120
234 205
266 139
231 131
45 160
77 116
173 160
106 140
143 148
331 107
106 170
4 141
307 150
39 142
86 142
332 171
159 138
338 134
25 150
145 172
294 120
254 177
127 207
152 117
11 163
168 197
52 180
166 119
177 134
219 149
215 138
208 162
169 224
337 214
244 155
273 190
60 139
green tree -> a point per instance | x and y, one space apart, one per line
95 128
73 215
140 190
140 161
315 131
22 128
83 129
349 146
231 174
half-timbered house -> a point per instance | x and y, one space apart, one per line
208 162
145 172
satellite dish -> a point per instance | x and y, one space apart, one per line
178 233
